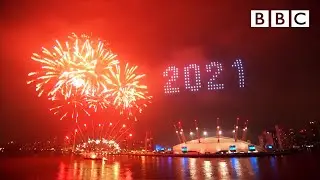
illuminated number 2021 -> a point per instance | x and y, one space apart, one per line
196 80
215 68
238 64
173 76
192 77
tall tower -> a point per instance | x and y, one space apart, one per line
148 142
197 130
218 132
244 131
236 131
278 134
177 132
183 138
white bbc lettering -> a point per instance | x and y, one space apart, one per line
259 18
300 18
280 18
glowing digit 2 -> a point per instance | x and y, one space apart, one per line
210 68
173 78
187 80
238 64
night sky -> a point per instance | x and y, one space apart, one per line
282 76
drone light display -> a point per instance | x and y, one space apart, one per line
193 74
238 65
173 78
197 84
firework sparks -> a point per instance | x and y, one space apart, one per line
126 90
98 101
82 74
80 63
105 145
70 108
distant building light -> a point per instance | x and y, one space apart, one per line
184 149
269 147
251 147
232 148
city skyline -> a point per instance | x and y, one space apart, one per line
280 64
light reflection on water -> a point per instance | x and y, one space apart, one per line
194 168
141 167
207 169
223 169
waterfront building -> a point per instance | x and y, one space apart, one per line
212 145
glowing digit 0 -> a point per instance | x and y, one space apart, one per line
172 79
238 64
196 80
211 68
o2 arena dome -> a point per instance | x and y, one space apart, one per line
215 144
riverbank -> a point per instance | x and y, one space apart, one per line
258 154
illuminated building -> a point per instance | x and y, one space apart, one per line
269 137
138 145
289 139
279 136
211 145
148 142
313 132
308 136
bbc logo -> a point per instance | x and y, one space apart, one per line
280 18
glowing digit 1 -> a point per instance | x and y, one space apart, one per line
173 78
238 64
210 68
187 80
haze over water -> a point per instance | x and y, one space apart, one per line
298 166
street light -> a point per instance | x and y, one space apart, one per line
191 133
205 133
220 132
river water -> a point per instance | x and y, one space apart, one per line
40 167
